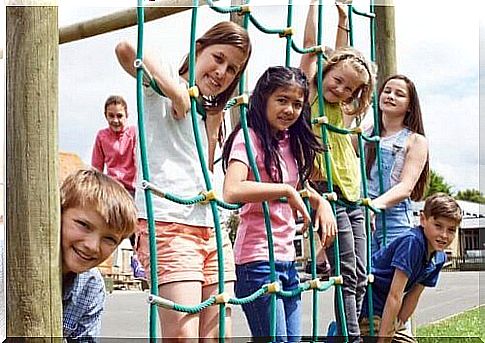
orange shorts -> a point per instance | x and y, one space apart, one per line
185 253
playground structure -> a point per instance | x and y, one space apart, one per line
26 299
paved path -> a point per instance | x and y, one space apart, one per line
126 312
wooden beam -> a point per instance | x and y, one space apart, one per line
122 19
34 300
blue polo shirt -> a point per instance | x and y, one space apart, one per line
408 253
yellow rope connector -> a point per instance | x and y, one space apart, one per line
315 283
331 196
367 202
242 99
321 120
274 287
244 9
338 280
370 278
304 193
288 31
208 196
222 298
357 130
193 92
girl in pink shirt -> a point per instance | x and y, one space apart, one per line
284 149
115 146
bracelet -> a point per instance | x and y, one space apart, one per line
343 28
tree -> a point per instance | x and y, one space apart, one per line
473 195
437 184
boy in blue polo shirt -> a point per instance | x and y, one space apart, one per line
408 264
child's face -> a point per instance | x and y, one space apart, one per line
116 117
216 68
283 107
86 240
394 99
439 232
340 83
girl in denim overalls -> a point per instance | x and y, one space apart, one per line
404 151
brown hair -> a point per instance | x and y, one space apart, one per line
115 100
89 188
361 99
442 205
226 33
414 122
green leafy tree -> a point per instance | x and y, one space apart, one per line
437 184
473 195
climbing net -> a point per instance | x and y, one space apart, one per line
208 195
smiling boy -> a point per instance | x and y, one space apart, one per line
97 213
408 264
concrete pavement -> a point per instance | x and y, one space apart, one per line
126 312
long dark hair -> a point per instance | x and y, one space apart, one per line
413 120
225 33
303 143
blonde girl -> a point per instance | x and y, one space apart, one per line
348 81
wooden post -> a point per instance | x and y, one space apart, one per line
34 304
385 41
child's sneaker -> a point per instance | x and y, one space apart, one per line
137 268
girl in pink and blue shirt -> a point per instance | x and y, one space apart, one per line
284 148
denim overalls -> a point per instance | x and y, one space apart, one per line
398 217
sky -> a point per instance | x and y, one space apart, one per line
437 47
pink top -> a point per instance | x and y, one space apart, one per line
251 244
117 150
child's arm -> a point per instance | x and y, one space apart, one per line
342 27
324 216
393 306
237 189
171 88
414 162
97 157
410 302
308 63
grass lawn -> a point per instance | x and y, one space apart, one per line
468 325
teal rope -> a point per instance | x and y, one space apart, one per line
200 151
146 175
324 134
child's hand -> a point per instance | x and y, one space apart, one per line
325 220
296 203
180 103
372 219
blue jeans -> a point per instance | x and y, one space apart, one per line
251 277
